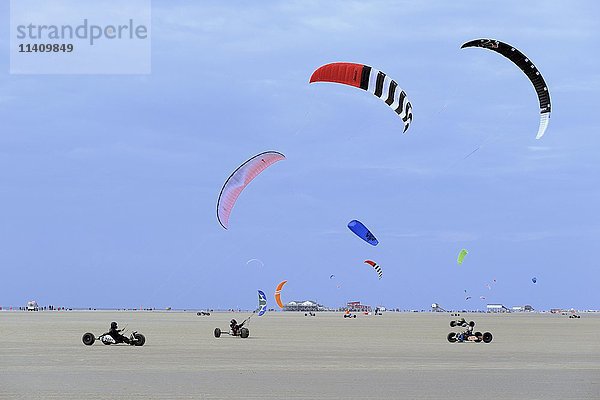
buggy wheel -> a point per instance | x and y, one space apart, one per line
472 324
487 337
451 337
217 332
452 324
139 339
244 333
88 339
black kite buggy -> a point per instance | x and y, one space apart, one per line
461 322
235 329
135 339
467 335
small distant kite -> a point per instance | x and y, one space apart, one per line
482 297
461 256
467 298
331 276
262 303
278 293
255 260
376 267
362 232
534 279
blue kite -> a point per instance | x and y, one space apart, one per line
262 303
362 232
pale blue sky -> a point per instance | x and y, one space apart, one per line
108 184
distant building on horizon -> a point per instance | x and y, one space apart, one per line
355 306
497 308
525 308
305 305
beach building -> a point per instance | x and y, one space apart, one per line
32 306
355 306
305 305
497 308
525 308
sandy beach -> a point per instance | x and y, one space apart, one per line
288 355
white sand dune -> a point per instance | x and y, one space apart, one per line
290 356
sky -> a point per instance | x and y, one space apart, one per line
109 183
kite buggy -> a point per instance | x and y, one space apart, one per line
235 329
240 330
467 335
113 336
461 322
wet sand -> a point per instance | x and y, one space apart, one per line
290 356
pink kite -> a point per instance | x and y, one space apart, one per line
239 179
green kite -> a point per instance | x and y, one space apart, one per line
461 256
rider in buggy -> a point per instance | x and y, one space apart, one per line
461 337
115 333
235 327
